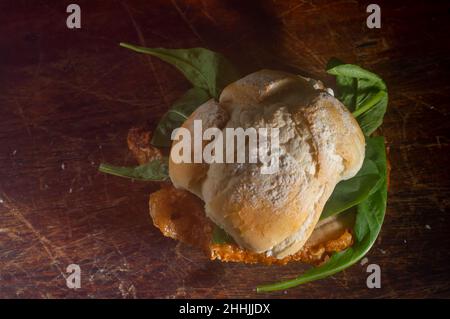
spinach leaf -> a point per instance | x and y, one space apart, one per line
353 191
371 206
369 219
204 68
177 114
220 236
364 93
156 170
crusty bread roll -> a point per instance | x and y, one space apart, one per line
320 145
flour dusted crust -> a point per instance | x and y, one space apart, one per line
320 145
190 176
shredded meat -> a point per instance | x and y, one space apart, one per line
139 144
179 215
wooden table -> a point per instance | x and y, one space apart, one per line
68 98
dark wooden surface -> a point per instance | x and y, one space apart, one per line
68 97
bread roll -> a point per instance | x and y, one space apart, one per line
320 145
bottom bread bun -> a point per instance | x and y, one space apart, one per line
180 215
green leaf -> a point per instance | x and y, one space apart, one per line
353 191
346 86
358 73
177 114
369 219
371 211
156 170
373 118
220 236
364 93
204 68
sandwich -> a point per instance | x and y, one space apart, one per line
330 184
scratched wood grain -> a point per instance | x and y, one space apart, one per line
68 97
